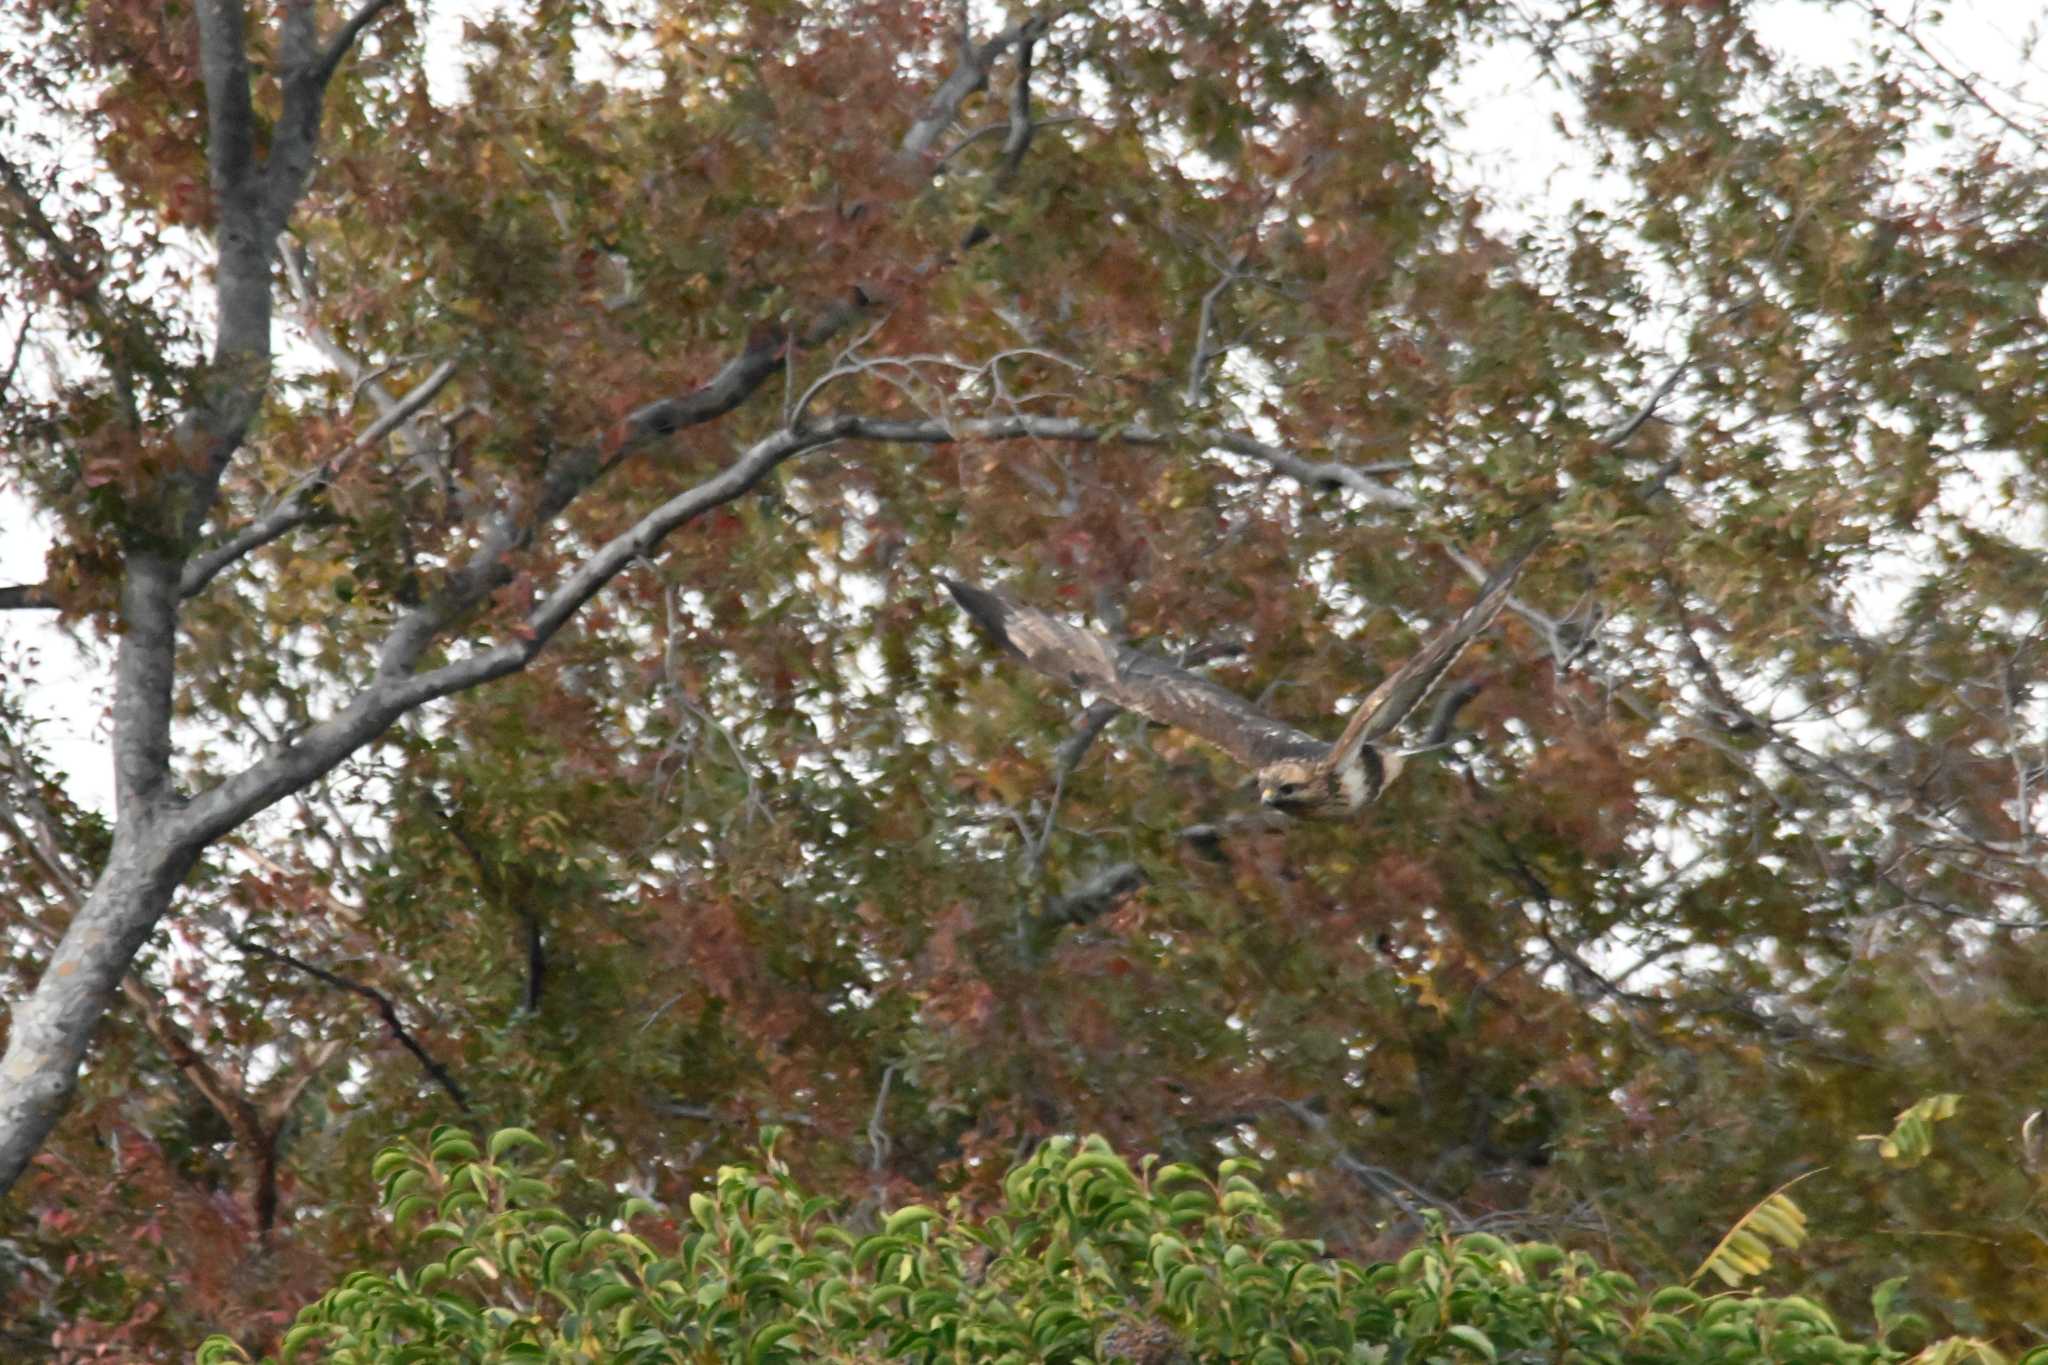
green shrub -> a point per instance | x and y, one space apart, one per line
1090 1259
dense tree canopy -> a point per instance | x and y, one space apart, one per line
507 484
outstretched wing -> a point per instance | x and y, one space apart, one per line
1393 700
1151 687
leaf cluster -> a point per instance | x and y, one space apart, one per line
1084 1258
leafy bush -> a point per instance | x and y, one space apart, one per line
1089 1259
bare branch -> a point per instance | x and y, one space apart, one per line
969 77
1092 723
1312 474
40 850
397 690
1630 425
990 130
158 835
344 38
1317 474
495 888
1209 837
116 337
1065 759
879 1141
27 597
1564 643
757 361
1959 80
297 505
1445 717
1205 324
224 66
28 323
384 1006
751 807
1409 1198
1021 128
255 1139
979 135
46 849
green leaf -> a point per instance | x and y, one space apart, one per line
1473 1338
511 1139
452 1145
1745 1251
905 1220
1911 1139
762 1345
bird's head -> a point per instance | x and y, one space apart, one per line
1296 788
1317 791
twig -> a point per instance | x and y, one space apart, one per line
27 597
1205 323
1630 425
970 76
1066 758
1403 1194
384 1007
294 507
1021 128
1958 79
989 130
20 345
879 1141
344 37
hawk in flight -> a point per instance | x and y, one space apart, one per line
1298 773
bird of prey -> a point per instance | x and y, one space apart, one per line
1298 773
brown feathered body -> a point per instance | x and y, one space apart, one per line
1297 773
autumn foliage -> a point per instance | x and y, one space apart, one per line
512 591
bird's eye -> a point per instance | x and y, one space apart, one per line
1287 789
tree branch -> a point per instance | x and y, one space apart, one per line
143 674
1409 1198
1066 758
935 431
492 883
157 838
396 690
28 323
384 1006
1318 475
1021 128
296 506
224 67
27 597
970 76
345 37
1445 716
255 1139
1956 78
1205 323
117 338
